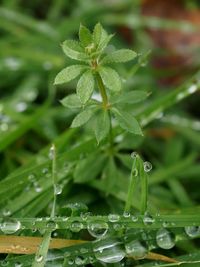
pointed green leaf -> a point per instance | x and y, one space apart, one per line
82 118
73 50
69 73
71 101
110 78
101 37
104 42
130 97
121 55
85 35
102 126
127 121
85 86
97 33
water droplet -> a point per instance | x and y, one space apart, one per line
37 187
134 218
134 155
10 226
126 214
180 96
52 152
83 250
97 229
6 212
31 177
76 226
79 260
117 227
39 258
192 89
113 217
21 106
58 189
147 166
71 261
45 170
192 231
134 172
18 264
165 239
148 219
51 225
136 249
109 251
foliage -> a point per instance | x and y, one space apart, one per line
88 199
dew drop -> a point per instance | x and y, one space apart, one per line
76 226
52 152
117 227
136 249
192 231
10 226
21 106
45 170
97 229
126 214
148 219
80 260
165 239
6 212
51 225
147 166
70 261
134 218
58 189
134 172
39 258
18 264
134 155
113 217
31 177
108 251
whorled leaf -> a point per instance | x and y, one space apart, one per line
110 78
85 86
122 55
69 73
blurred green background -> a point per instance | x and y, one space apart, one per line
165 32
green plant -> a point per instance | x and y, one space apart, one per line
91 50
130 231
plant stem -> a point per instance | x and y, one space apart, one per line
102 90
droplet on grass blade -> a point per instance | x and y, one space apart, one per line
192 231
97 229
109 251
136 249
10 226
165 239
147 166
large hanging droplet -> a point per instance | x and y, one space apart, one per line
97 229
192 231
165 239
136 249
109 251
10 226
